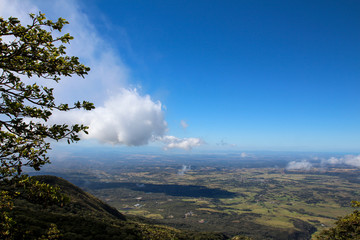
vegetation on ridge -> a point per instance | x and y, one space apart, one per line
346 227
31 52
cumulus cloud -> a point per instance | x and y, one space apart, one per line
126 118
182 143
183 124
351 160
302 165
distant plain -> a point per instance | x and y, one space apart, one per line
231 195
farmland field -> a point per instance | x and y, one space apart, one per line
263 203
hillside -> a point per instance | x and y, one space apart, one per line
86 217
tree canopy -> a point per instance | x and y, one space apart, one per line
346 227
28 54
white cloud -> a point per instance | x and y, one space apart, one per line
333 160
351 160
303 165
183 124
184 169
182 143
126 118
19 9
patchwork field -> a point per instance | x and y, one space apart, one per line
263 203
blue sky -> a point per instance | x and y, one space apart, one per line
242 75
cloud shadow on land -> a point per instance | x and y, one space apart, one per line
172 190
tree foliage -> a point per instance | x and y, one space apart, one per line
28 54
32 51
346 228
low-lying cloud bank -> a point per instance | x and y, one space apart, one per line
351 160
302 165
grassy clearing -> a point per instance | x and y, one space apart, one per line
154 216
209 210
275 222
